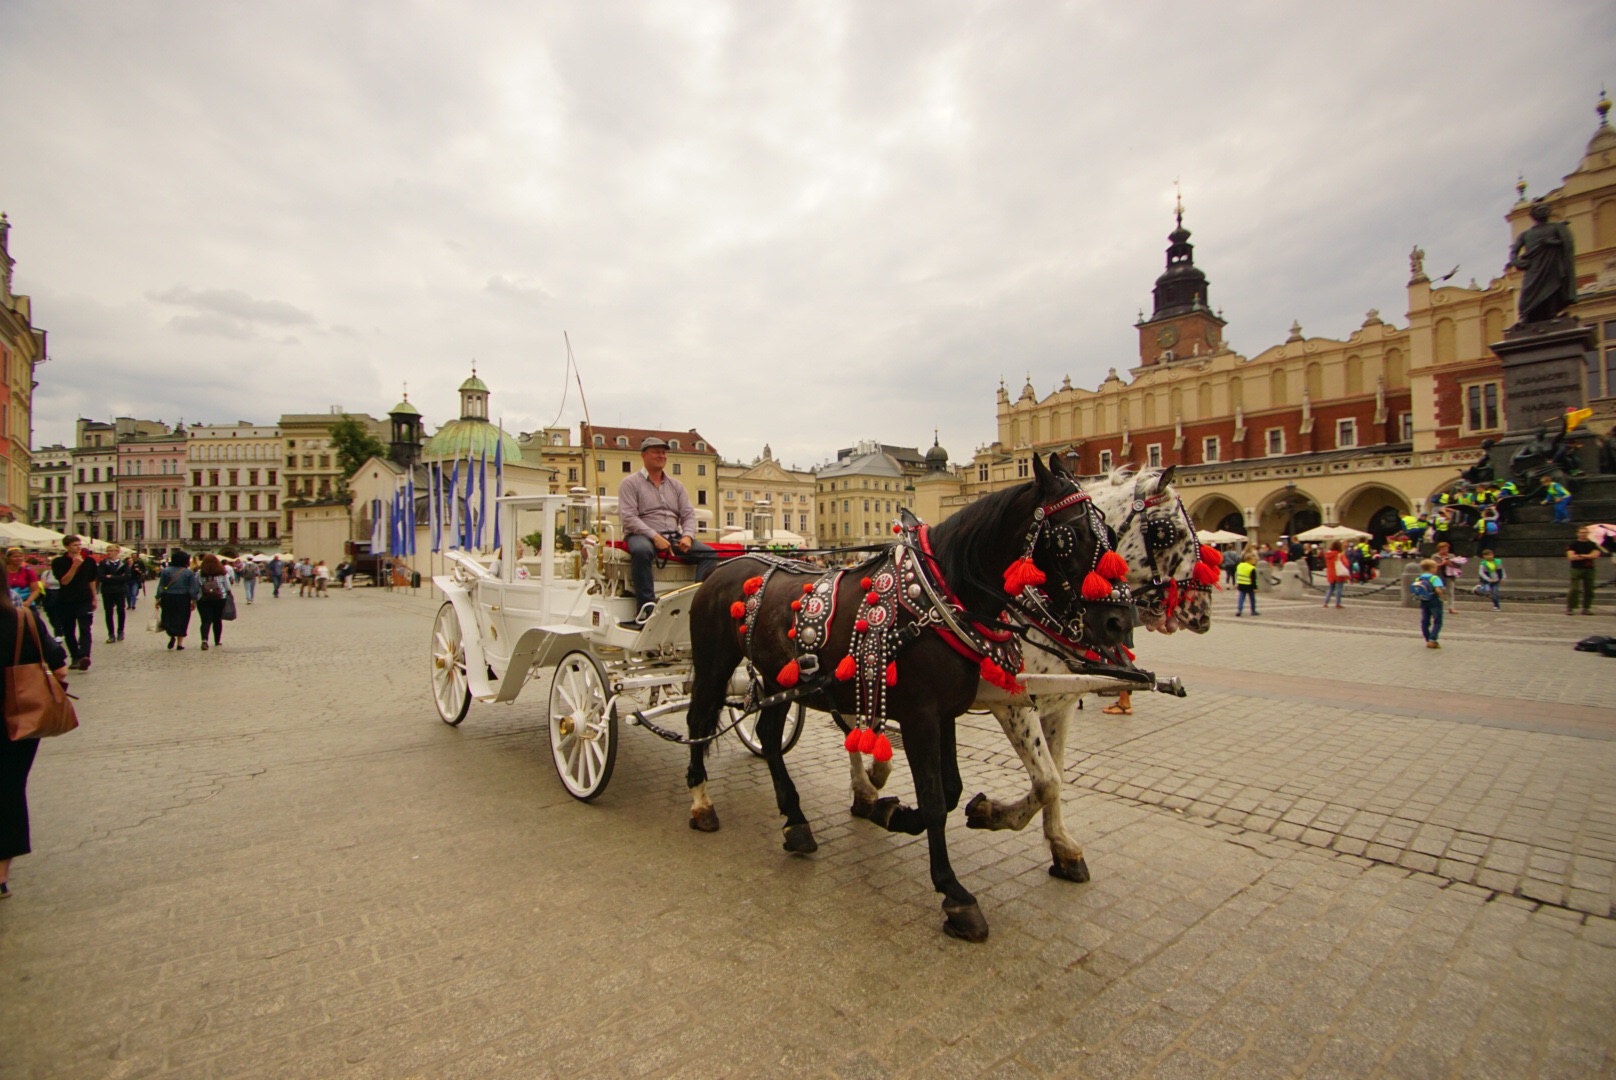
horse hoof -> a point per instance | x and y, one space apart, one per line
965 922
862 808
704 820
978 812
1070 869
800 840
883 810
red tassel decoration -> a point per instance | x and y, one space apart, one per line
883 749
1112 567
1172 597
892 673
753 584
792 633
850 744
997 676
1090 654
1127 651
1205 574
808 587
1212 556
861 626
1020 574
737 610
1095 587
847 668
789 674
872 598
866 741
796 605
865 583
897 528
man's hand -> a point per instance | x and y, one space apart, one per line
660 542
684 544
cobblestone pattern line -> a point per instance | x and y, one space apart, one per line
280 864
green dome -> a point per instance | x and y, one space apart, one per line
404 408
474 383
470 439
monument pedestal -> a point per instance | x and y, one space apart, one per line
1545 365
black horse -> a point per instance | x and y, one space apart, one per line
931 681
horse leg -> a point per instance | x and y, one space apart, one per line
923 745
1067 854
710 684
799 838
948 752
865 791
1021 724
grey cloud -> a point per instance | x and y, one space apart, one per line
802 224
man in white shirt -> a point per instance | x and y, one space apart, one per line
658 520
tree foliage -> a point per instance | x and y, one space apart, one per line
355 444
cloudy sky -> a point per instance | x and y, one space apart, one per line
802 224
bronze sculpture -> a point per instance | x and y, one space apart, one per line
1546 256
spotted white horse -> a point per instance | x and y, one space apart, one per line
1171 583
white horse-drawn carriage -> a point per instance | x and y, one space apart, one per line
548 613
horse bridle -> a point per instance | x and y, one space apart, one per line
1060 539
1159 596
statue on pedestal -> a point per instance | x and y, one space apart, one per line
1546 256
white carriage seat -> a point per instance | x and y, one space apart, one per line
670 576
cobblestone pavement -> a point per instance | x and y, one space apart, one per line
1342 856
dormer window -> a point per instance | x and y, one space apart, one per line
622 440
600 440
673 444
700 445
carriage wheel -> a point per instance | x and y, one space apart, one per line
583 735
450 693
746 730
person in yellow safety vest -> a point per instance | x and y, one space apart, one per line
1415 528
1245 580
1558 497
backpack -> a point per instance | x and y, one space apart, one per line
1596 643
1422 589
213 586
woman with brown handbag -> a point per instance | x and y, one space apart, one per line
17 757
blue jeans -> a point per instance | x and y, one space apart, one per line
1246 591
1431 618
249 585
1489 589
1337 589
643 553
1562 511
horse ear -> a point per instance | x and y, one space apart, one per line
1040 474
1165 478
1058 467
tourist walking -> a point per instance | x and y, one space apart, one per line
1491 573
1427 589
178 589
1245 580
1337 572
76 575
277 574
249 579
17 757
1231 559
22 580
1448 567
214 594
114 591
322 578
1582 556
137 580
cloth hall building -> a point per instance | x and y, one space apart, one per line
1312 430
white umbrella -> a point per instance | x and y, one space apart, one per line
1219 536
1327 533
29 535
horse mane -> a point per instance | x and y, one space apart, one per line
1120 475
961 543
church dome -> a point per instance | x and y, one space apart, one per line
404 408
936 457
474 383
471 438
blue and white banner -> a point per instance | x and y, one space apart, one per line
455 539
482 497
499 484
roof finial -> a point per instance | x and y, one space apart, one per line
1520 186
406 389
1178 202
1603 108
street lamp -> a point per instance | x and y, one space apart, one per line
91 514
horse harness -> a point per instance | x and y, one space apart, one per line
1164 593
905 595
